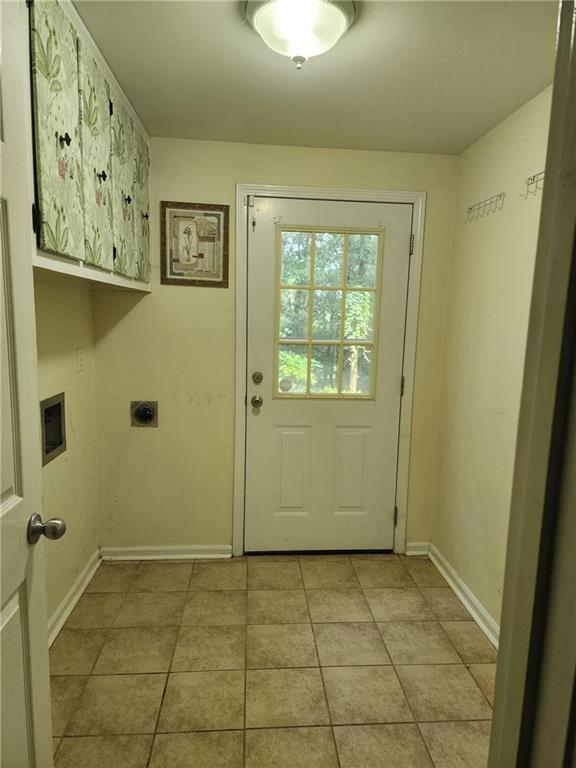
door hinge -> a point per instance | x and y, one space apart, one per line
402 383
411 245
250 201
395 516
35 218
111 106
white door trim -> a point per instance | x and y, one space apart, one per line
418 200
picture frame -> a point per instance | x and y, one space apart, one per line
194 244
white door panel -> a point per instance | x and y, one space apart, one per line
24 694
321 451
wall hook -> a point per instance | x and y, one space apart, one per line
533 184
485 207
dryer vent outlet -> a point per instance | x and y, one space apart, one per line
144 413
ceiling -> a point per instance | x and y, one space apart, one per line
408 76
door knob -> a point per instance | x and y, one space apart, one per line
53 529
257 401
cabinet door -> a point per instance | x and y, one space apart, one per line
142 212
123 202
95 132
54 47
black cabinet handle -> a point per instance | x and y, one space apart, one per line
127 199
145 216
66 139
102 176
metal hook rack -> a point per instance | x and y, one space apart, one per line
533 184
485 207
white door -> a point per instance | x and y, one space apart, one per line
24 691
327 289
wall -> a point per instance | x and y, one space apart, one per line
486 327
70 487
173 485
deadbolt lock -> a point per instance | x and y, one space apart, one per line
257 377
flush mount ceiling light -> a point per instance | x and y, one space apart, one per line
300 29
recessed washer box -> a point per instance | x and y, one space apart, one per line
53 420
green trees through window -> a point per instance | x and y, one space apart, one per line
326 312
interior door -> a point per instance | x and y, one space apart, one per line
24 693
327 289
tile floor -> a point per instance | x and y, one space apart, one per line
271 662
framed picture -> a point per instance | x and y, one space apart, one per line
194 244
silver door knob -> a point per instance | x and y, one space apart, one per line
257 401
52 529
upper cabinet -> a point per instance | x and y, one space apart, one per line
54 45
91 155
97 181
123 190
142 209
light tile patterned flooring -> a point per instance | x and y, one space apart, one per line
271 662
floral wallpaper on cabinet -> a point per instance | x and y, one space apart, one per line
142 209
54 46
95 128
123 191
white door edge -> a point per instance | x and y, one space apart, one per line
418 200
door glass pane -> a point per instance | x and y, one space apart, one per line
326 304
326 312
292 368
295 258
356 370
359 322
362 261
294 314
324 369
328 259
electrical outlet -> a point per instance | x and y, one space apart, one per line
79 359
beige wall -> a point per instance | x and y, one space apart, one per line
486 327
69 482
173 485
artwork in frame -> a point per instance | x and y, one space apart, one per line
194 244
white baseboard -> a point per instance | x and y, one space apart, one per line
198 552
58 618
468 599
417 547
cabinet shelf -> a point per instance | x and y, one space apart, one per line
82 271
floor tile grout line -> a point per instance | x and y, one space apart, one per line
164 689
267 669
89 675
470 618
413 714
322 675
277 728
245 674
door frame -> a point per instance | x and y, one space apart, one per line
418 201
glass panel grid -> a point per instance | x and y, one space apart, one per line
342 307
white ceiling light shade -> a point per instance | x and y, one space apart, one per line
300 29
